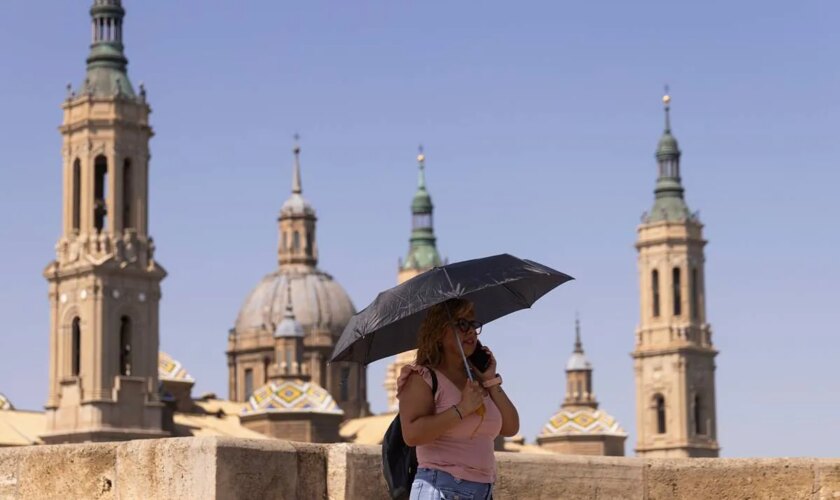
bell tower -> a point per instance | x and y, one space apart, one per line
422 256
674 359
104 285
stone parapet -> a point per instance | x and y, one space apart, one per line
227 468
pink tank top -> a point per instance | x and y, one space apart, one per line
466 450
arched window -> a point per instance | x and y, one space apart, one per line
125 346
654 277
128 189
100 187
77 195
695 295
249 382
677 291
699 416
76 347
309 245
296 242
659 403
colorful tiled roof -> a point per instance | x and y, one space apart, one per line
172 369
585 421
292 395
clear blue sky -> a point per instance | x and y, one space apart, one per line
540 121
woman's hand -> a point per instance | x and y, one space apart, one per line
472 396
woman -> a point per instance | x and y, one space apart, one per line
454 429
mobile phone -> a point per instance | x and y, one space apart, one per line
479 358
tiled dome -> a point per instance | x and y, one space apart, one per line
291 396
5 404
585 421
318 301
171 369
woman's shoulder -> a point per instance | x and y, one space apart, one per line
410 369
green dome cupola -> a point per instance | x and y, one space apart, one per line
106 64
422 253
669 204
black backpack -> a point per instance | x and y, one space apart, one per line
399 461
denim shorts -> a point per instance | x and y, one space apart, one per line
432 484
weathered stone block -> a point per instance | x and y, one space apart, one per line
66 471
312 470
166 468
256 468
523 476
729 479
355 471
828 479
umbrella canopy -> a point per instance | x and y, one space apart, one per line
497 286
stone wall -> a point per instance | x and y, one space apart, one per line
205 468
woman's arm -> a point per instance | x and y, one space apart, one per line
510 417
420 424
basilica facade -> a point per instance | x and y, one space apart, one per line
109 381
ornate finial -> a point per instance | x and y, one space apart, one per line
666 100
297 188
578 343
421 164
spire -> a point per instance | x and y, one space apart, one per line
422 253
289 326
578 343
670 204
296 184
106 64
421 165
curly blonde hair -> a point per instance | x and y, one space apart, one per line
433 328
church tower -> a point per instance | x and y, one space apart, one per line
104 286
422 256
674 359
579 427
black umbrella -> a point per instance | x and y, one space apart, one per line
497 286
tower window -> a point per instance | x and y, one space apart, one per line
127 195
249 382
77 195
699 416
422 221
296 242
659 402
655 288
695 295
579 393
309 245
100 208
125 346
283 241
677 291
266 364
344 384
76 347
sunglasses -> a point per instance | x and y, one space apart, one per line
465 325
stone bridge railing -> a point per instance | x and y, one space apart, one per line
206 468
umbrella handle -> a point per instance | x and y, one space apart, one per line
460 347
